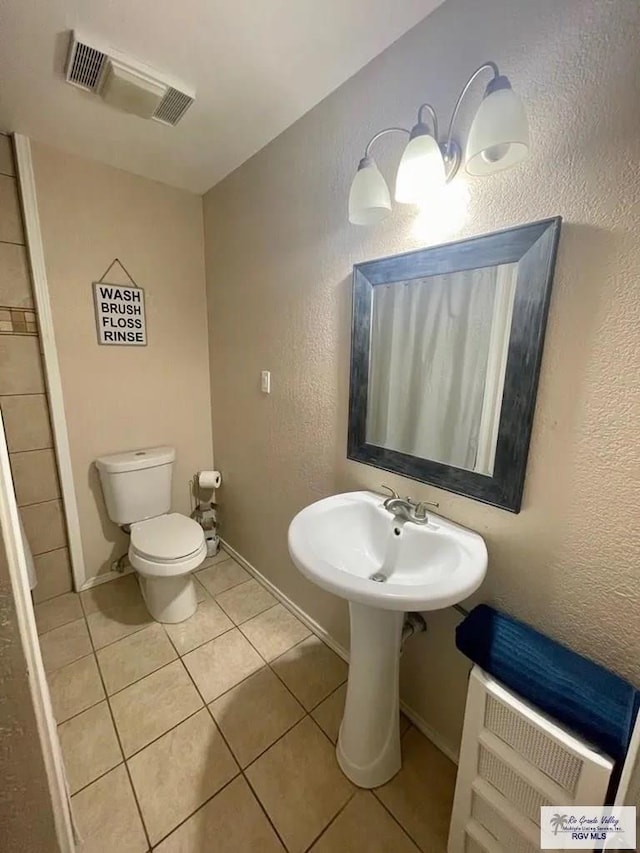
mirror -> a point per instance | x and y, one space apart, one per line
446 349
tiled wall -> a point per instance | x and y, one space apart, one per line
23 398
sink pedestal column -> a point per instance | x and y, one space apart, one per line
368 748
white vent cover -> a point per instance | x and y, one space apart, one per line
513 760
138 88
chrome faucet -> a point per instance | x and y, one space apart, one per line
406 508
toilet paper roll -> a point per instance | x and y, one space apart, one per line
209 479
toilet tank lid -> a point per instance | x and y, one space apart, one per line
136 460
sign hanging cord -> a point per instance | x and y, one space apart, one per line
122 267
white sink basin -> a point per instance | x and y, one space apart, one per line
341 541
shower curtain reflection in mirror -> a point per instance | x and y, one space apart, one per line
437 364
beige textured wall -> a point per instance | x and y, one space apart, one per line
279 257
119 398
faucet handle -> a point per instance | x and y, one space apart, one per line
421 507
393 492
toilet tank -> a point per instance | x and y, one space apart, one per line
136 484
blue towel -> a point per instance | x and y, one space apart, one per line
583 695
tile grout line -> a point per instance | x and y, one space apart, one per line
97 779
307 713
180 655
189 816
30 450
117 733
159 737
25 393
254 794
231 752
374 791
332 821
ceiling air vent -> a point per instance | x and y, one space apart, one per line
125 83
172 107
85 65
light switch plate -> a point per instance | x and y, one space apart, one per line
265 381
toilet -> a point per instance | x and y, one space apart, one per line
165 546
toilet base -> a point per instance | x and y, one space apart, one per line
171 599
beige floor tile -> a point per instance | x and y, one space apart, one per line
26 418
131 659
245 601
222 663
300 785
53 571
175 775
65 644
107 816
233 818
57 611
75 687
254 714
89 746
207 622
147 709
364 825
35 476
112 625
44 524
222 575
274 631
311 671
328 715
421 794
111 595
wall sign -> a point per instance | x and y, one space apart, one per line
120 316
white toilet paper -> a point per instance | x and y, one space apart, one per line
209 479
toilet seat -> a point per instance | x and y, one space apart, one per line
166 545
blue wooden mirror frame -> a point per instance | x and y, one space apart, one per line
533 247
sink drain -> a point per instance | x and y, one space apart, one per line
378 577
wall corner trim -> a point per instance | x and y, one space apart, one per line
428 731
35 250
26 623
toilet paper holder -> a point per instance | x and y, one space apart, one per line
205 512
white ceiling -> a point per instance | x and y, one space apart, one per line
256 66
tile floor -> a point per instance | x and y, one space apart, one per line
217 735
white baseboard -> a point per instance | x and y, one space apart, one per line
96 580
339 649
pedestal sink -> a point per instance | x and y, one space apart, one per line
352 546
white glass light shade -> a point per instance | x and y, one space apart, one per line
369 198
499 135
421 170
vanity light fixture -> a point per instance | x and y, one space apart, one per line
498 139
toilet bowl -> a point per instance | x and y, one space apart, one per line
165 546
164 551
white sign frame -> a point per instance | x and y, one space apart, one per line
116 327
